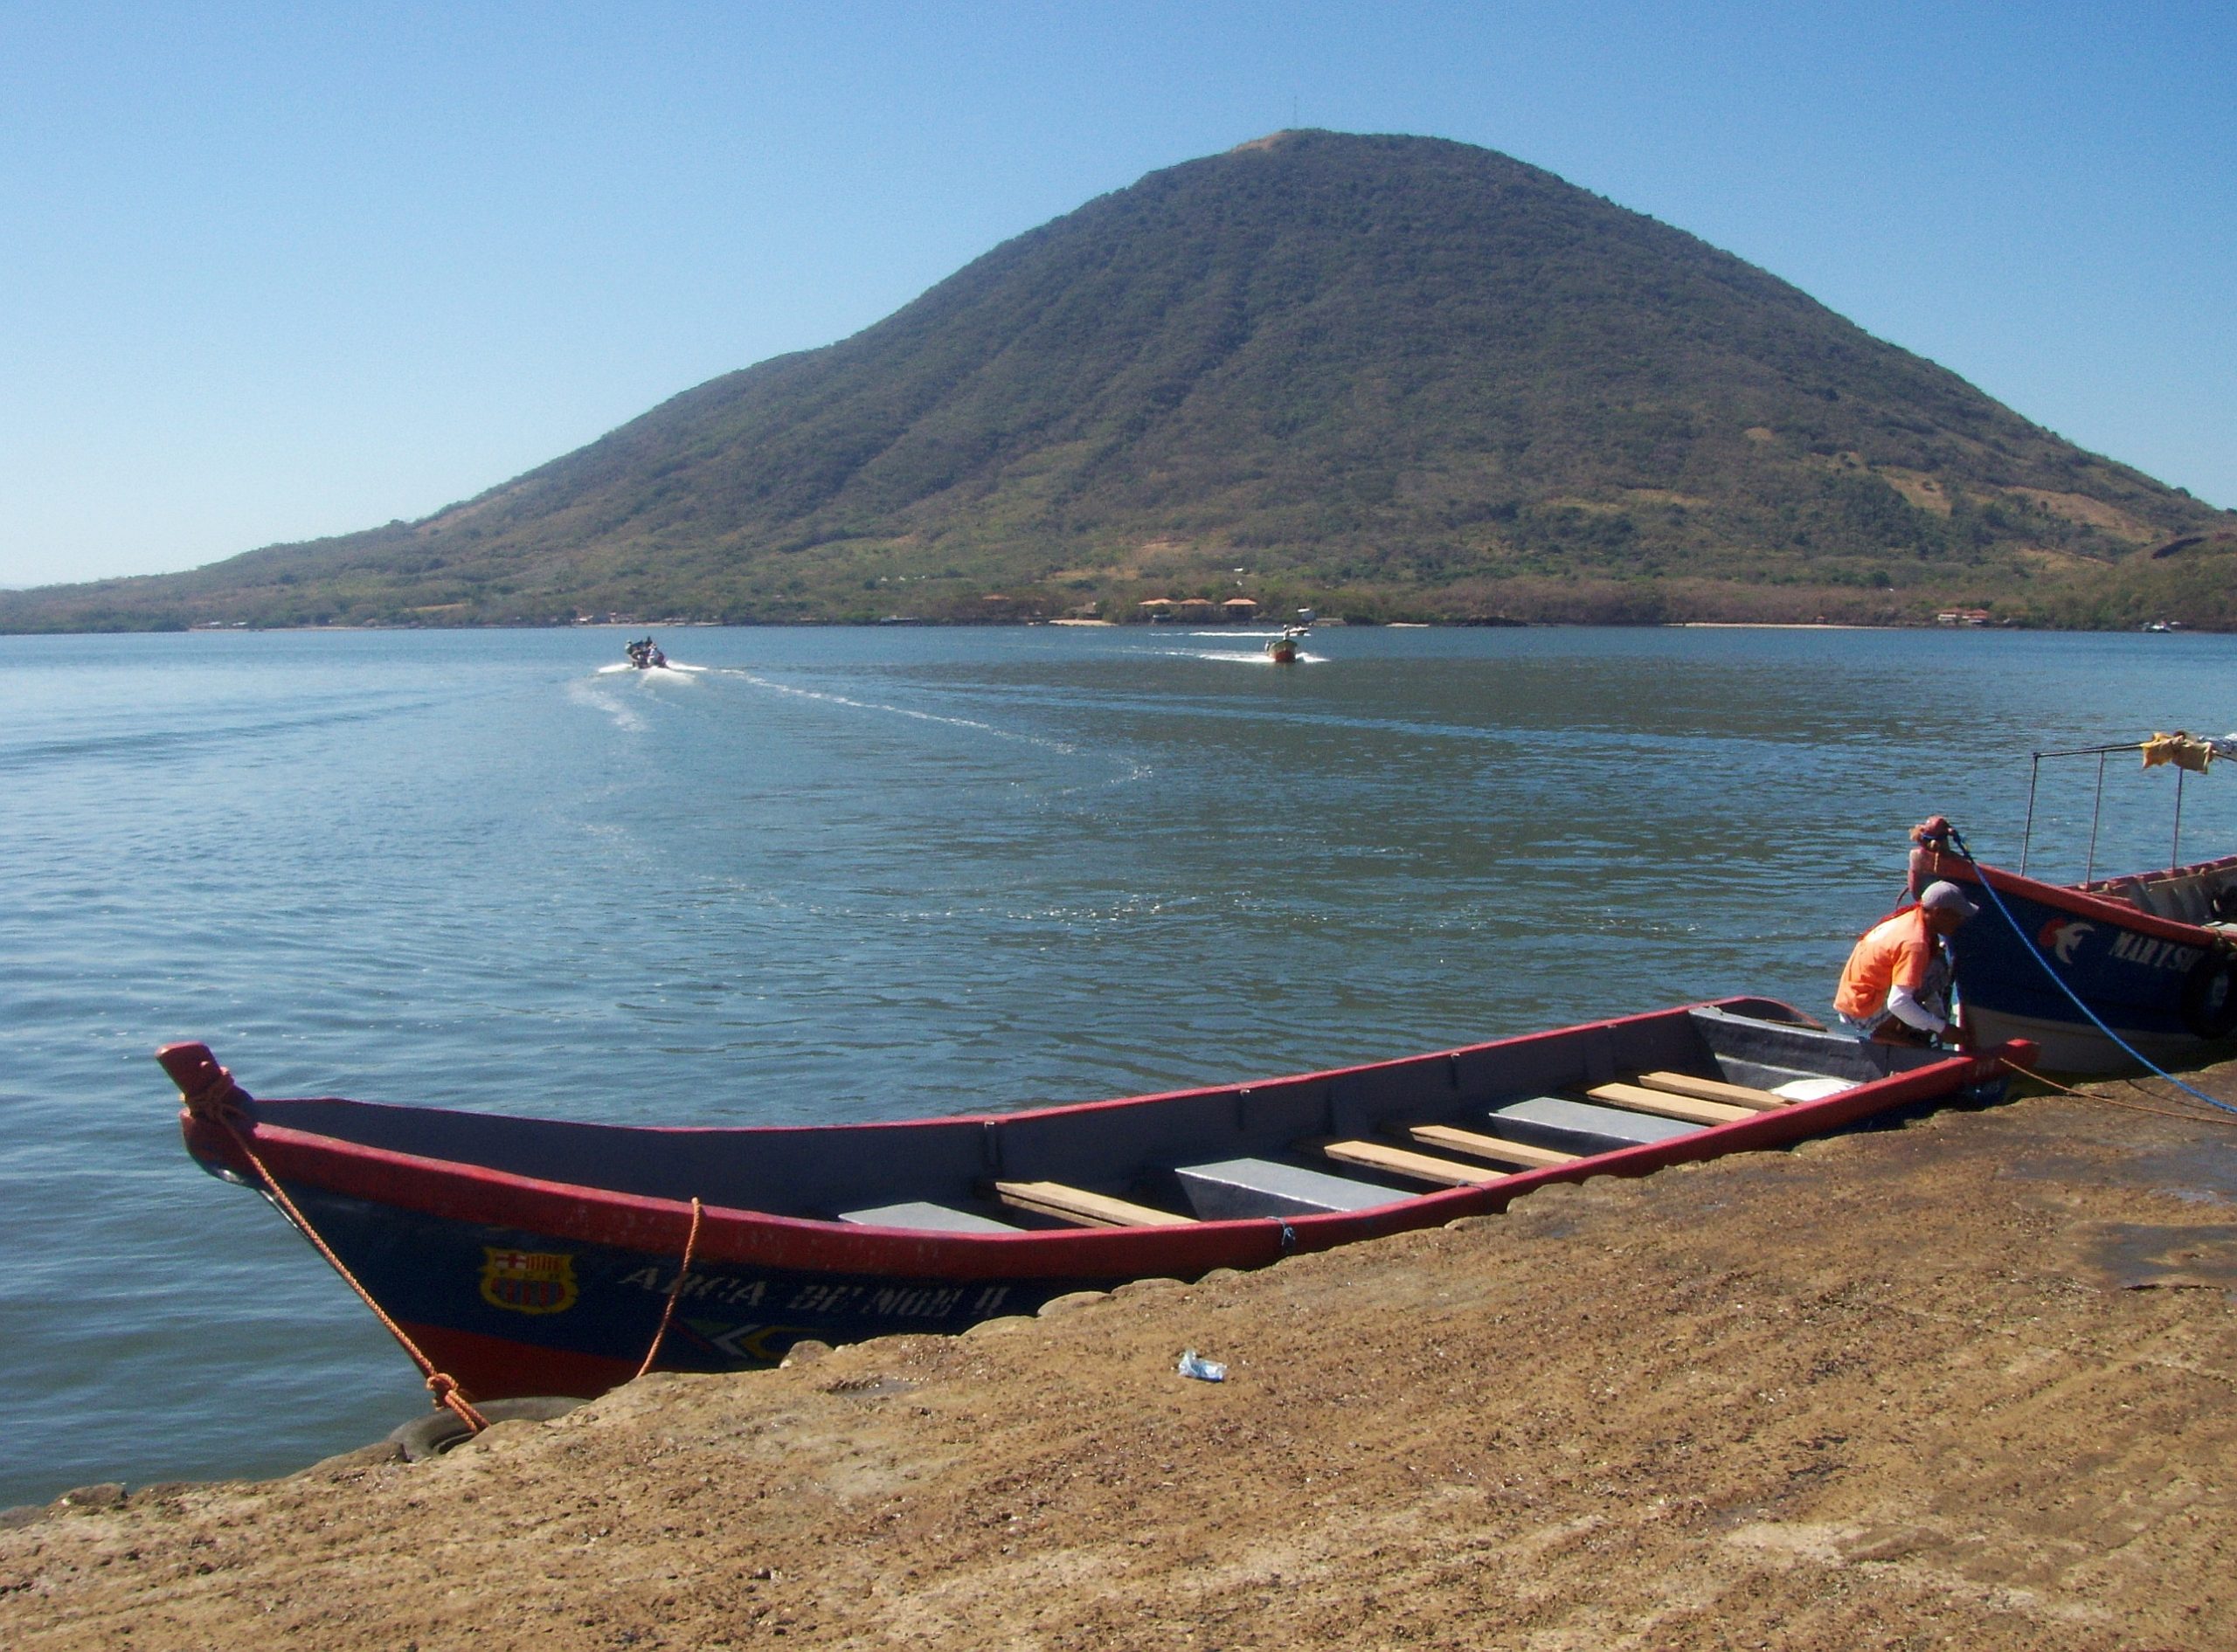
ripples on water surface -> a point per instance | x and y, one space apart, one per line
846 874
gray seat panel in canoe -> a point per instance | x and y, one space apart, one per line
1582 1127
1244 1187
930 1217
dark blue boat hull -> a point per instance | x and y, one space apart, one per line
2157 984
482 1300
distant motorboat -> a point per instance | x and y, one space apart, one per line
646 655
1282 650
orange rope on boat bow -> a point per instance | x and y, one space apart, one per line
441 1385
2115 1100
690 1245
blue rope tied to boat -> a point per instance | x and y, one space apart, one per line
1957 842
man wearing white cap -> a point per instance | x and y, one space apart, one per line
1895 987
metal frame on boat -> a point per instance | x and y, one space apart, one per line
531 1256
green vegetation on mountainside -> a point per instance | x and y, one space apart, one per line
1398 377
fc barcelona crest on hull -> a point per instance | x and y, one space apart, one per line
527 1281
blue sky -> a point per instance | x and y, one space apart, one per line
271 272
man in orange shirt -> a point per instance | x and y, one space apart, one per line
1895 987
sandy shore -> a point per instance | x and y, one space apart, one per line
1963 1383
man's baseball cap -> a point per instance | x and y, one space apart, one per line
1946 897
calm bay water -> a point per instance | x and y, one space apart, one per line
846 874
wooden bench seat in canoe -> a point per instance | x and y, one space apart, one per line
1637 1098
1497 1149
1410 1166
1714 1089
1084 1208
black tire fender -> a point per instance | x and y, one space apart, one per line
442 1428
2210 996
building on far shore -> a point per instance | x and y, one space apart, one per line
1198 608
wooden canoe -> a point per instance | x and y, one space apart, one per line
528 1256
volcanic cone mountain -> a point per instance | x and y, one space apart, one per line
1394 377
